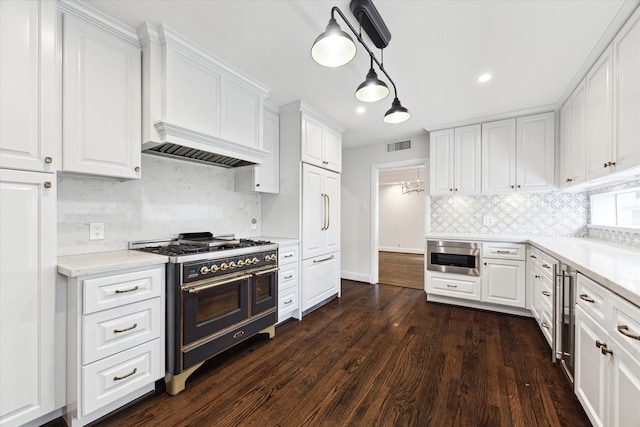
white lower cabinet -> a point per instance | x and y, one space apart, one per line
607 370
503 274
289 282
321 279
115 339
28 297
453 285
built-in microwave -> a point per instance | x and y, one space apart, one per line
454 257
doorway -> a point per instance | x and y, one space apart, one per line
399 213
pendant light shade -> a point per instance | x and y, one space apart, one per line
372 89
397 113
334 47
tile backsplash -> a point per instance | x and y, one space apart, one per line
172 197
535 214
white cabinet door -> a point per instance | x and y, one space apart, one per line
624 393
598 118
320 211
320 279
101 102
499 156
626 94
30 101
578 137
535 145
467 160
27 296
503 282
566 161
312 140
592 368
441 170
332 150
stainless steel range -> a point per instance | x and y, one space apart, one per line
220 291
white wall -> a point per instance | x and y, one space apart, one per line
356 201
172 197
401 220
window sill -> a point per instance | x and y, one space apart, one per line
615 228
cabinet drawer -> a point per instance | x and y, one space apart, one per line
546 324
288 276
111 331
626 325
594 299
503 250
454 285
288 301
101 293
288 254
543 261
108 379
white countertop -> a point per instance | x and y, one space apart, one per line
104 262
614 266
279 240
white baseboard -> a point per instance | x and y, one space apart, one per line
402 250
358 277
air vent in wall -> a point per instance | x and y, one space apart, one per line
398 146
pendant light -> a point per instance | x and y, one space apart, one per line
397 113
372 89
334 47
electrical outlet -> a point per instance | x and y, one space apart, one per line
96 231
254 224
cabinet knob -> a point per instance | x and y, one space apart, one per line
47 184
257 185
455 189
612 163
485 263
137 169
606 164
48 159
513 186
569 179
451 189
518 185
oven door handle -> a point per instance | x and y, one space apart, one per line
199 288
262 272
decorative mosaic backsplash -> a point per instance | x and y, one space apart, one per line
622 237
544 214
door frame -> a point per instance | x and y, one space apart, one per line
375 207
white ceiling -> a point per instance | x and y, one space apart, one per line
534 49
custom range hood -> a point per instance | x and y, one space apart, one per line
196 107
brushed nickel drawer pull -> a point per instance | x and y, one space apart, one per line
546 265
288 256
603 348
503 252
587 298
126 376
238 334
545 325
623 330
451 286
315 261
288 277
537 276
546 293
533 256
288 302
118 331
124 291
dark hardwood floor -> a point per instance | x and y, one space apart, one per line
401 269
379 356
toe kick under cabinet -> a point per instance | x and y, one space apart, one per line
115 334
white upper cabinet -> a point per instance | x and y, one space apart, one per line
455 161
264 178
598 117
29 75
499 156
518 154
101 96
321 145
572 138
626 95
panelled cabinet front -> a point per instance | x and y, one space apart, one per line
321 145
102 102
27 296
320 211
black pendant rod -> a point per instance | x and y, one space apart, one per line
359 37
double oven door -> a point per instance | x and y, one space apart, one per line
212 306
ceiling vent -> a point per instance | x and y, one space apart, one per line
398 146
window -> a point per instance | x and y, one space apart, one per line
619 208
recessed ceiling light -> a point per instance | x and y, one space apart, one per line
360 110
484 77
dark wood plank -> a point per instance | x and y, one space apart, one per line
380 355
401 269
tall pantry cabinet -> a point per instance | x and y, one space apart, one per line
308 205
30 147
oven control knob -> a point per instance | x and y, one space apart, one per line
255 260
214 268
204 269
232 265
270 258
247 261
223 266
240 263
